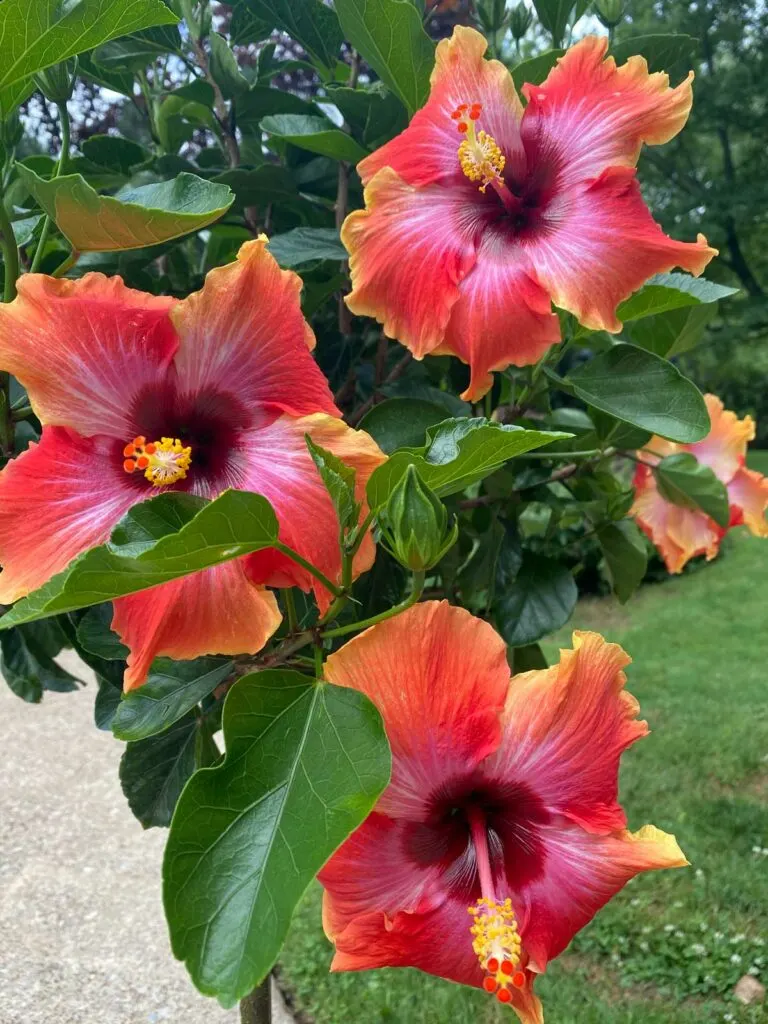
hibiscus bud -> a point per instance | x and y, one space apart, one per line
57 83
520 21
610 12
415 525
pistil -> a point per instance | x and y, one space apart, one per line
163 462
480 155
495 937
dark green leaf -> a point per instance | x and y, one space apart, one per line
609 430
305 764
24 229
117 81
685 481
304 245
114 152
154 771
261 101
391 38
535 69
554 15
527 658
540 600
401 422
236 523
266 184
106 704
37 34
458 452
661 51
643 389
172 689
309 22
410 387
28 665
626 556
316 134
137 217
674 332
224 68
374 115
247 27
94 633
671 291
339 480
138 50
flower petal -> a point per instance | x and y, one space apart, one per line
84 348
409 250
565 729
279 466
503 316
598 244
589 115
244 332
748 491
679 533
582 872
725 446
216 611
437 942
57 499
439 677
427 150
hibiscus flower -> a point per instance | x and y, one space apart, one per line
139 394
481 214
499 835
682 533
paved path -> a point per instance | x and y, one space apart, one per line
82 934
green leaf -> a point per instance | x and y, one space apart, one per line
528 658
643 389
626 556
28 666
339 480
401 422
106 703
374 115
304 245
224 68
309 22
24 229
304 766
261 101
674 332
671 291
247 27
458 452
685 481
37 34
535 69
172 689
661 51
94 633
117 81
540 600
154 771
316 134
114 152
137 51
157 541
390 36
554 15
134 218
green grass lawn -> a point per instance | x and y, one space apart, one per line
672 945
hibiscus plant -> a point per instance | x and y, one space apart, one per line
330 372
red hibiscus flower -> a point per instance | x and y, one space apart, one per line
682 533
500 834
480 215
138 394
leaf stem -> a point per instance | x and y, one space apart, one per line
311 569
66 264
587 454
60 168
417 588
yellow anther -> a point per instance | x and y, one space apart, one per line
480 156
163 462
496 943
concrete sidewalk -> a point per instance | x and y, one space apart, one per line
82 934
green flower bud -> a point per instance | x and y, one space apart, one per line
520 21
610 12
414 523
57 83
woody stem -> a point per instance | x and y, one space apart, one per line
479 833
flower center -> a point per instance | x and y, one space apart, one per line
495 938
480 157
163 462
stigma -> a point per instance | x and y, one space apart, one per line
496 942
480 157
163 462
